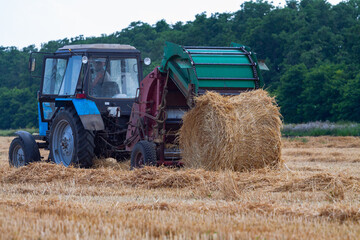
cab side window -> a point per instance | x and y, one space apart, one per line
53 75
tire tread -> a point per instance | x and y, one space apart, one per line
148 149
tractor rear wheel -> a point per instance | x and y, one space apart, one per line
70 143
143 154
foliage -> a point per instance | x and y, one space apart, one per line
311 47
11 132
19 108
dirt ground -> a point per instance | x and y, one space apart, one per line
316 195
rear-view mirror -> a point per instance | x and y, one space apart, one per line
32 64
263 66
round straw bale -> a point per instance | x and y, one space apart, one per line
237 133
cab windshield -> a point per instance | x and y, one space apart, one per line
113 77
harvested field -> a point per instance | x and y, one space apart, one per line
316 195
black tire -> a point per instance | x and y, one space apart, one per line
70 144
143 154
21 153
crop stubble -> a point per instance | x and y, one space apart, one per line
315 195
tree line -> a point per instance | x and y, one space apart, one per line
311 47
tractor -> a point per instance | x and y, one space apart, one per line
93 101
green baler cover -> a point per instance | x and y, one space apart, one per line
233 67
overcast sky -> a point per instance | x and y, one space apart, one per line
26 22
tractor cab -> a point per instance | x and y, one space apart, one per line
107 74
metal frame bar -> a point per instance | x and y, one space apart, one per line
226 64
215 78
217 53
257 80
203 47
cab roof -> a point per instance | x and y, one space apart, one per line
102 47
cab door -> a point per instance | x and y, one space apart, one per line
60 78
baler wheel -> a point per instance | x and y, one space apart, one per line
70 143
143 154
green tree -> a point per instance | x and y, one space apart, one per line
289 93
348 108
321 92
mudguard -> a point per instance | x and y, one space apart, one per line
88 112
31 149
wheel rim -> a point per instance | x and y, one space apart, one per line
63 143
18 156
139 159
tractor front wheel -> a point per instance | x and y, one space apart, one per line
17 153
70 143
143 154
23 151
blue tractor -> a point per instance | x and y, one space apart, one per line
84 104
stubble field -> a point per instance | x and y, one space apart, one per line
316 195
